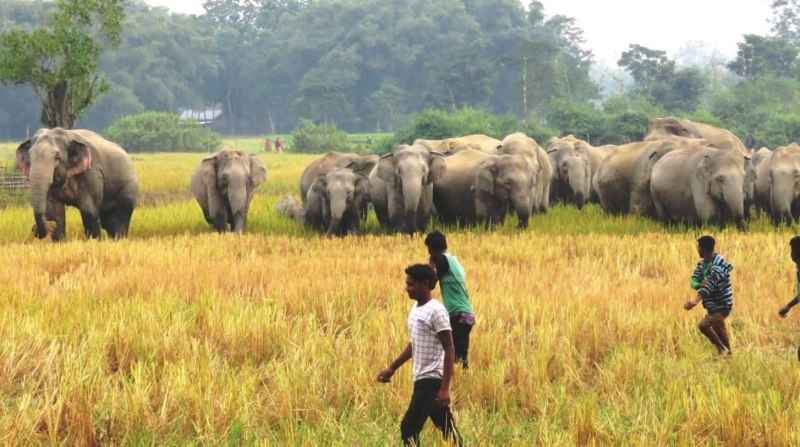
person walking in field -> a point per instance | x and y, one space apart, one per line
279 145
453 284
712 280
794 246
431 352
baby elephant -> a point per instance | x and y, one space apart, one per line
224 184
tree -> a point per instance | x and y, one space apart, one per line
60 61
786 20
759 56
647 66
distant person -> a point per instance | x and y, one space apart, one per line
431 352
453 283
268 145
794 246
712 280
278 145
750 140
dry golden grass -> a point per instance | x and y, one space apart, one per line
180 336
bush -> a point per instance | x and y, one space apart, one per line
625 127
313 138
162 132
579 119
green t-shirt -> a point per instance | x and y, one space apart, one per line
454 288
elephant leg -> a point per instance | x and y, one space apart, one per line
56 212
91 224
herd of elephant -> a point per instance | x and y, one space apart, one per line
682 172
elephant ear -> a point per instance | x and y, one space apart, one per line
24 158
316 208
79 157
484 179
704 169
386 168
438 167
258 173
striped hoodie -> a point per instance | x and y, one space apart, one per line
713 282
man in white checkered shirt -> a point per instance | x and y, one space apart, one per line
431 350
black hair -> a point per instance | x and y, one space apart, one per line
422 273
436 241
706 243
795 243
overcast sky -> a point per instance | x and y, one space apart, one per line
611 25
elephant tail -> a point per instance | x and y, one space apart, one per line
291 208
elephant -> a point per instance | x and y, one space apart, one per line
784 184
506 183
660 128
453 192
224 185
614 178
477 142
401 187
336 201
700 186
362 164
574 163
641 202
82 169
538 161
761 192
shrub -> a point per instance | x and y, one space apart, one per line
162 132
313 138
582 120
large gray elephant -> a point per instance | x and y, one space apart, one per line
613 181
669 126
574 163
336 202
401 187
224 185
761 189
361 164
82 169
784 176
700 186
539 164
478 142
453 192
503 184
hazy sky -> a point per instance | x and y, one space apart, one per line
611 25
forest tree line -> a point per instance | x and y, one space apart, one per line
371 65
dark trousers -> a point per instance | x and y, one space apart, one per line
460 339
423 406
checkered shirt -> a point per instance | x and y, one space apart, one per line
427 352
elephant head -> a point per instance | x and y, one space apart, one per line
503 183
409 173
572 166
232 177
336 200
719 186
784 184
49 159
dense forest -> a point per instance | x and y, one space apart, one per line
370 65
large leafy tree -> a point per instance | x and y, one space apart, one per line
762 55
60 61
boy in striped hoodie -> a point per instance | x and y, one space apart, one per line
712 280
794 245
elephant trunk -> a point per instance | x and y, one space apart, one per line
576 177
41 179
781 201
522 206
734 203
412 193
338 204
237 200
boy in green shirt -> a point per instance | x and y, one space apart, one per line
453 284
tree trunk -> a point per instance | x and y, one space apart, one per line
57 107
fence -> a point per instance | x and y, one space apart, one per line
13 185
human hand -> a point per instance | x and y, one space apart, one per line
443 397
689 305
385 376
